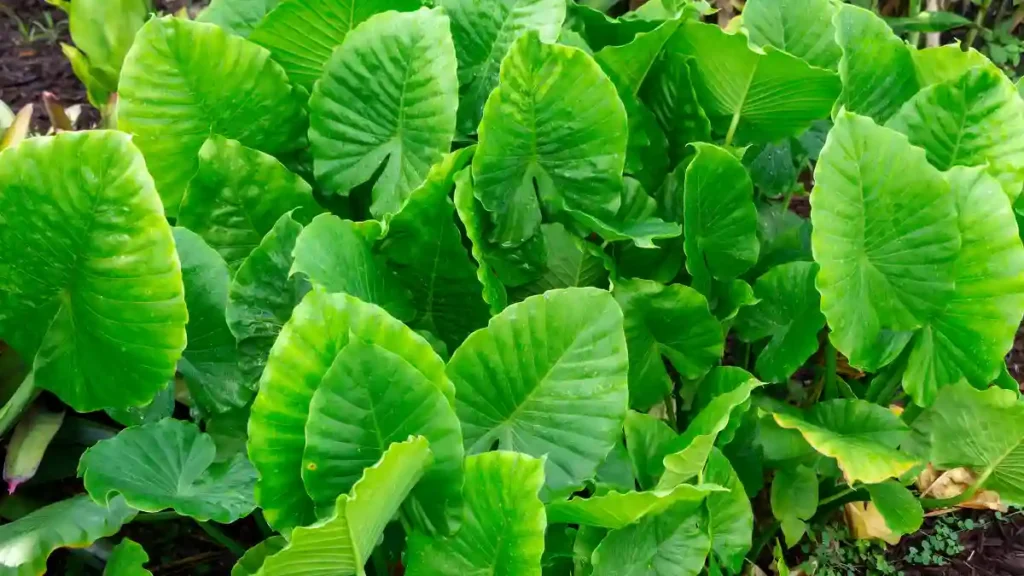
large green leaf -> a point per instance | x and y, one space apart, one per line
982 431
104 31
483 31
673 543
976 328
262 295
385 106
730 517
547 376
885 236
424 248
237 195
802 28
671 321
169 464
686 455
945 63
301 34
862 436
668 92
502 527
251 562
127 559
369 398
553 133
77 522
571 261
719 217
175 91
236 16
975 120
321 326
90 286
877 67
794 500
342 543
741 88
338 255
646 440
616 510
210 362
899 507
627 65
787 312
472 215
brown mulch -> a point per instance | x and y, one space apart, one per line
994 548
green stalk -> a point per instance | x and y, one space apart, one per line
380 563
221 538
979 21
22 397
149 517
913 10
831 388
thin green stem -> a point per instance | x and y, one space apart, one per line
831 388
979 22
147 517
913 10
218 536
380 563
20 400
766 536
264 527
837 496
732 128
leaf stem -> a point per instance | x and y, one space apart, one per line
146 518
831 388
218 536
979 22
20 400
380 563
913 10
841 494
732 128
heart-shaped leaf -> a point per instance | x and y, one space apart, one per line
802 28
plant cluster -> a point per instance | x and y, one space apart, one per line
447 289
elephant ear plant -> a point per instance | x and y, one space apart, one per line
510 287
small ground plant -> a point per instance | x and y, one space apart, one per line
511 286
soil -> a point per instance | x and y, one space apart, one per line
994 548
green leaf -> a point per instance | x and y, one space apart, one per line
77 522
238 17
627 65
671 321
237 196
385 105
503 522
946 63
975 120
321 326
424 248
976 328
471 214
338 255
616 510
127 559
719 217
723 380
571 262
772 169
862 436
262 295
669 93
175 92
739 87
104 30
483 32
301 34
553 132
251 562
784 237
209 364
686 455
169 464
673 543
794 494
982 430
615 472
928 22
635 219
787 312
369 398
547 376
160 407
885 236
646 440
899 507
877 68
647 153
342 543
730 519
90 286
802 28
